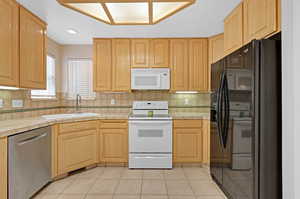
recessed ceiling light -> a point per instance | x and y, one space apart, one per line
128 12
72 31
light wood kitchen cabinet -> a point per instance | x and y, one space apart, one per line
121 65
187 141
9 40
77 146
260 18
179 64
233 30
32 51
198 65
159 53
113 141
3 168
140 53
189 64
216 48
102 59
206 141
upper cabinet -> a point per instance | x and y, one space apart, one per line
32 51
121 65
198 65
102 65
251 19
111 65
216 48
9 39
233 30
189 64
23 47
140 52
153 53
159 53
179 64
260 18
188 60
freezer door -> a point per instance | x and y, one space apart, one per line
216 157
238 181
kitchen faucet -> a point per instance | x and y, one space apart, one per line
78 102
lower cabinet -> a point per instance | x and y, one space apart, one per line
77 146
187 141
113 141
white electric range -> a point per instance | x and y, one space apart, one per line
150 135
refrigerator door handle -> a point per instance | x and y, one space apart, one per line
220 110
227 111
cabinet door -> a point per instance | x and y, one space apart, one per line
32 51
216 48
121 65
140 53
114 145
76 150
198 65
9 40
102 65
159 53
187 145
233 30
260 18
179 65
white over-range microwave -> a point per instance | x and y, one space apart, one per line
150 79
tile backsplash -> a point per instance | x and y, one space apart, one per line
103 103
126 99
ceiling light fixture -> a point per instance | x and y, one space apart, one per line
127 12
72 31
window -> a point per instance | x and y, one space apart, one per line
80 80
50 91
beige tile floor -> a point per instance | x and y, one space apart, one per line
122 183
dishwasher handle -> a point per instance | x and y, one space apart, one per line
32 139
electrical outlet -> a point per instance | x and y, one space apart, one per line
186 101
1 103
17 103
112 101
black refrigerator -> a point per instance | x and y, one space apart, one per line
246 161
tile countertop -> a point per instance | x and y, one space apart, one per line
11 127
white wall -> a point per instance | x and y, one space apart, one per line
291 98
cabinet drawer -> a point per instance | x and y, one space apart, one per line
113 124
77 126
187 123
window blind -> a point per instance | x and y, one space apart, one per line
50 91
80 79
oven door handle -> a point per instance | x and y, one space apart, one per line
150 122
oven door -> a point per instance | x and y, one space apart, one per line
144 81
150 136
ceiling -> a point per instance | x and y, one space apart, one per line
202 19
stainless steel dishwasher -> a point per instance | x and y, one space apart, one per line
29 162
